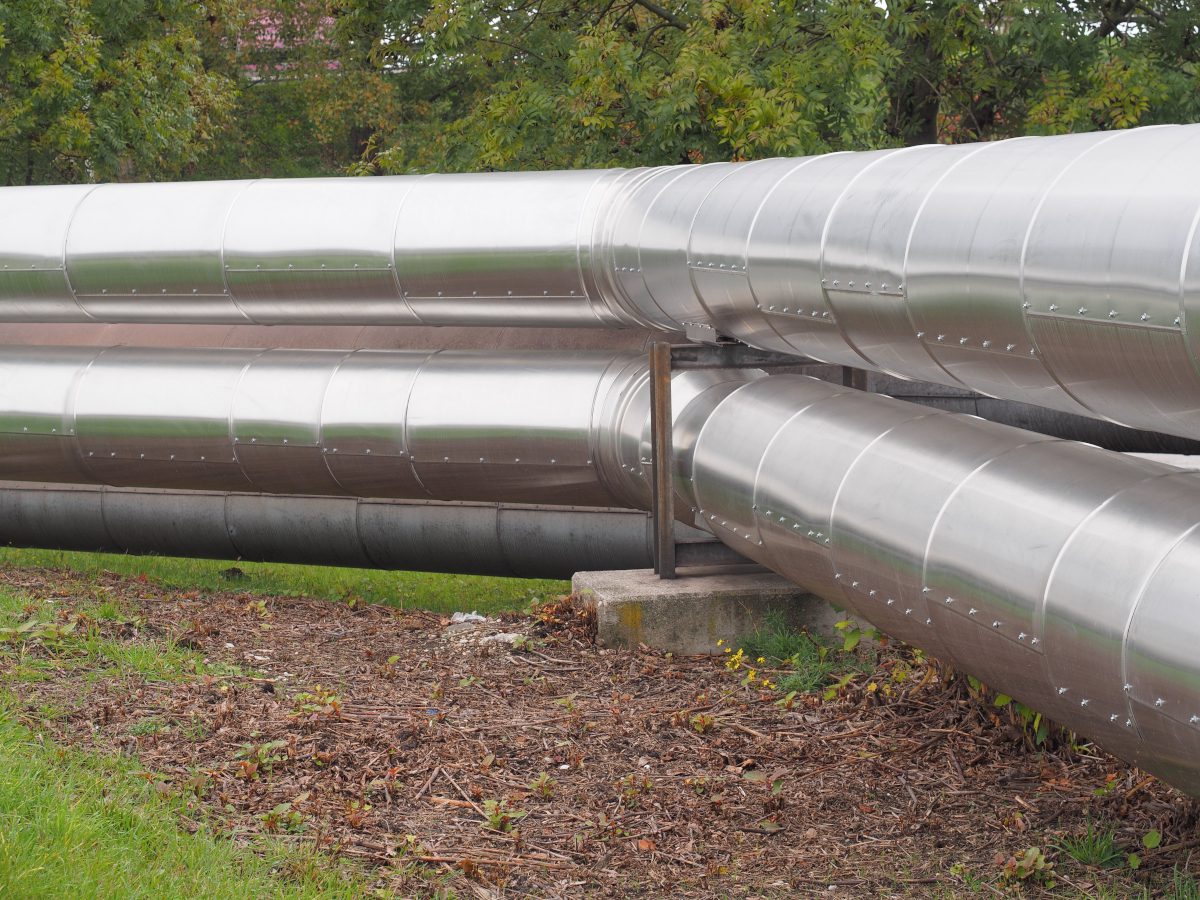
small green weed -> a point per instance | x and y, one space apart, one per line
969 879
259 757
543 786
805 662
1029 867
633 787
152 725
1037 729
1182 887
499 816
1095 847
317 703
35 629
284 818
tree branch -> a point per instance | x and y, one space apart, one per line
663 13
1115 14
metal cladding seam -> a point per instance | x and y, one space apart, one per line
1059 271
1057 572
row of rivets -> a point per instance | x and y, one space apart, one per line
965 341
732 267
1112 313
731 528
798 311
803 528
866 285
872 593
162 291
996 624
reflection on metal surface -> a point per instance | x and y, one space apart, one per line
1057 572
386 424
472 538
1060 573
563 340
1000 267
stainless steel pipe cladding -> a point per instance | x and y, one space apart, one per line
471 538
518 428
1060 271
1059 573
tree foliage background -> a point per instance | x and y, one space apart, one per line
158 89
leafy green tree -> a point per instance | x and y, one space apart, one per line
110 89
283 66
549 83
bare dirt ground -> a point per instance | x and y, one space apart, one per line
540 765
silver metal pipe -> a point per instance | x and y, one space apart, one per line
468 538
381 424
573 340
1059 573
1059 271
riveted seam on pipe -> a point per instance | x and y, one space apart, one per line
65 239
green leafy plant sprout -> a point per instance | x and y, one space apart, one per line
500 816
838 686
259 757
317 702
1150 840
543 786
633 787
283 818
1029 867
34 629
389 670
853 635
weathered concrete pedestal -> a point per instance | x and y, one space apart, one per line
689 614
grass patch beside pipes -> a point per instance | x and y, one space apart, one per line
413 590
80 824
77 824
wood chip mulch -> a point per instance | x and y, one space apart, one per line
515 758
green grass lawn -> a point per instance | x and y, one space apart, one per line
412 590
74 824
77 824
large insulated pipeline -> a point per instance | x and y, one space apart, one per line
1059 271
467 538
562 340
1060 573
373 424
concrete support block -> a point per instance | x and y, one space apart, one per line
689 614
